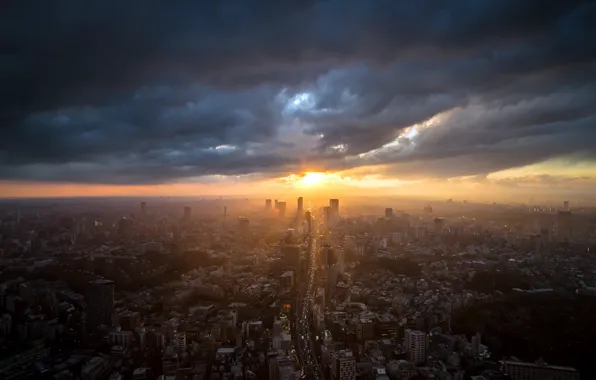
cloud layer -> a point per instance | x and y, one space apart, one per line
144 92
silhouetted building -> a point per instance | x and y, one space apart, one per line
300 206
143 208
267 204
334 206
439 225
566 206
99 302
388 212
187 212
564 226
308 219
281 209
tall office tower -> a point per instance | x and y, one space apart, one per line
300 206
100 303
267 204
225 211
415 343
276 204
388 212
343 365
328 257
566 206
439 224
187 212
334 206
281 207
564 226
143 208
308 219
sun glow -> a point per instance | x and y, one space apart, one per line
312 179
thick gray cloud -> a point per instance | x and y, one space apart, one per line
148 91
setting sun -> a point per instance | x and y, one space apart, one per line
312 179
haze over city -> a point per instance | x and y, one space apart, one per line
297 190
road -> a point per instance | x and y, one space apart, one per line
304 302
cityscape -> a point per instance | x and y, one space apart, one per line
277 289
298 190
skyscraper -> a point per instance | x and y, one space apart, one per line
566 206
187 212
281 207
300 206
100 303
439 224
334 206
308 219
564 226
267 204
388 212
143 208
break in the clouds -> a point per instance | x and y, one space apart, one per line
154 92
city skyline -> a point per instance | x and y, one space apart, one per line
492 101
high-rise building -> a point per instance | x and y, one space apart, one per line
439 224
281 208
415 342
388 212
564 226
343 365
100 303
300 206
308 219
187 212
225 211
566 206
143 208
267 204
334 206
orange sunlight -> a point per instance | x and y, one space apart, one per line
312 179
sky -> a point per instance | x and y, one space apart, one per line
474 99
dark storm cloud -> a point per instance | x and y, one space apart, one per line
144 91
